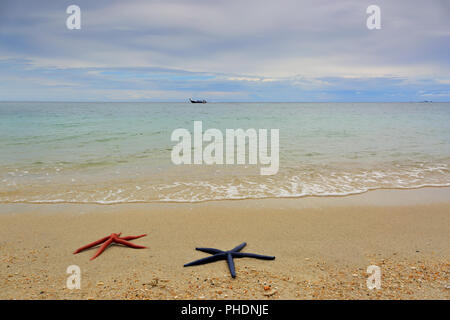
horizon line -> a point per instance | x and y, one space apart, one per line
187 101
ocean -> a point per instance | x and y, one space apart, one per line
110 153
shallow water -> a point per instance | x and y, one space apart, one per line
120 152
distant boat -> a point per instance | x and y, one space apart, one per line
197 101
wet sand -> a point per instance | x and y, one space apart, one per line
323 247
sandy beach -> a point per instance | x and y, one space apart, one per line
314 137
323 247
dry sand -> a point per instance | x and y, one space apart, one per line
322 247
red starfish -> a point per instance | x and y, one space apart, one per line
114 237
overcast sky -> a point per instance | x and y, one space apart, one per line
255 50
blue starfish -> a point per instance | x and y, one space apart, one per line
228 255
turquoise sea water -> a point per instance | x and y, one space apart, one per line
120 152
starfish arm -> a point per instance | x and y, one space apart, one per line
231 265
133 237
92 244
129 244
252 255
102 248
213 258
239 247
209 250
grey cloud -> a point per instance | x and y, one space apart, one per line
304 43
